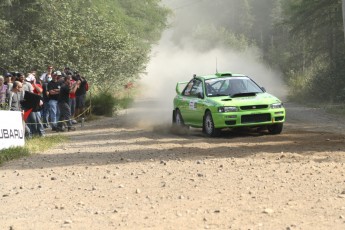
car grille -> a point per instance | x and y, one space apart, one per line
254 118
251 107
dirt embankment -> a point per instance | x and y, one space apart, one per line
114 174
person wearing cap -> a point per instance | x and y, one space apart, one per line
26 85
37 88
34 119
54 90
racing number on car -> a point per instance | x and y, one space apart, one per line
192 105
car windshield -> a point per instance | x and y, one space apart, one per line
231 86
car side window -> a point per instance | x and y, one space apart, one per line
193 88
197 88
186 91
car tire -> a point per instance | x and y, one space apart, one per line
178 123
275 129
177 118
208 126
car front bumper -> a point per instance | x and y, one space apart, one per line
252 118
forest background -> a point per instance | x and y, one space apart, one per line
110 41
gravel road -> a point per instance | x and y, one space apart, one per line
123 173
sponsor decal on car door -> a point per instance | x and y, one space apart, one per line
193 104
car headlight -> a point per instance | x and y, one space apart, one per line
277 106
226 109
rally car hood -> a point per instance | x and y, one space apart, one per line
244 99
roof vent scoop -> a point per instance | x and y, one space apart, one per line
227 74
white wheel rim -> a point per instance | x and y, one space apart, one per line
178 119
208 124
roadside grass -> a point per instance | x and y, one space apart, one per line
336 109
330 108
92 117
32 146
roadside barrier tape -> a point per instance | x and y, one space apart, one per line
47 123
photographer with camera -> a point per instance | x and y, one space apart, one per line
63 102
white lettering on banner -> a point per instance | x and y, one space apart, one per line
11 134
11 129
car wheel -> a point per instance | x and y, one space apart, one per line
178 126
208 126
177 118
275 129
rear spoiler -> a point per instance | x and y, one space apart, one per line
180 86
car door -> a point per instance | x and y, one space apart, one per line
195 103
183 102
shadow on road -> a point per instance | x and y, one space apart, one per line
118 144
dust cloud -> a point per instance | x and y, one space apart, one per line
171 62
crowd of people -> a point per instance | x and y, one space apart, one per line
55 99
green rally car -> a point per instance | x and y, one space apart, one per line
226 100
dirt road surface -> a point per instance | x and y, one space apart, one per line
122 173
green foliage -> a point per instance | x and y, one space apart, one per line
103 104
124 102
12 153
41 144
310 42
208 37
145 19
107 41
106 103
305 39
34 145
216 23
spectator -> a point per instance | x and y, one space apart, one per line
54 90
26 85
8 81
47 76
45 79
81 96
63 102
34 119
72 97
66 71
3 92
15 96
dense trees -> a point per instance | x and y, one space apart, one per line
107 40
302 38
110 40
316 49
